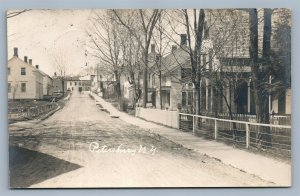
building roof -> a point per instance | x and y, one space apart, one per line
14 58
28 65
44 74
71 78
180 57
229 32
177 58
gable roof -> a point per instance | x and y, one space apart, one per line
177 58
23 63
180 57
44 74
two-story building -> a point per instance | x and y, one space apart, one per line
78 83
47 82
24 80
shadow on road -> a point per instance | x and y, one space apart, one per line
29 167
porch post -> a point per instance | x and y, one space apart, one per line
228 96
206 97
249 97
212 99
270 96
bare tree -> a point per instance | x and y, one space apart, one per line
260 73
142 30
106 42
14 87
131 56
193 22
162 43
62 62
281 56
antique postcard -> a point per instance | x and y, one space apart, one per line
134 98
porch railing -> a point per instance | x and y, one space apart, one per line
277 140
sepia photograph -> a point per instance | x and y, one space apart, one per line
149 98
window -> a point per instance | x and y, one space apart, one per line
70 83
75 83
8 71
153 80
23 87
168 98
190 98
183 98
187 98
9 87
23 71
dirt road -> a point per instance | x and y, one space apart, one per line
81 146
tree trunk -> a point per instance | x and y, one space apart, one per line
260 79
145 79
198 100
228 105
160 97
197 58
117 85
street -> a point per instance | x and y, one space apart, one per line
82 146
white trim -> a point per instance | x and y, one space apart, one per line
237 121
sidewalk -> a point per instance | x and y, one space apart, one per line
263 167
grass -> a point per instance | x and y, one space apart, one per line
26 103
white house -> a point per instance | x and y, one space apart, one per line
79 83
47 82
24 80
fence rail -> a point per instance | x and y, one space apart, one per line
274 119
272 138
22 113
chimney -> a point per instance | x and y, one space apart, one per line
174 48
37 66
183 39
152 48
25 59
16 52
30 61
54 73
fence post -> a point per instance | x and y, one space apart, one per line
178 121
216 129
247 135
194 124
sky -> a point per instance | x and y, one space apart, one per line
40 34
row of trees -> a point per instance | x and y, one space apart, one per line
121 40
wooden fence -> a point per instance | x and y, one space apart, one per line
25 113
243 133
274 119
